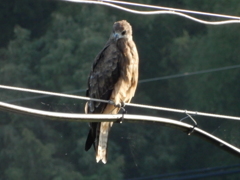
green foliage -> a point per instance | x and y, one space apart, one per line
52 46
216 93
33 15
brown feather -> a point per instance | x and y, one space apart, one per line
114 76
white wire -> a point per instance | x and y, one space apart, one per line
159 12
119 117
184 111
127 104
173 9
52 93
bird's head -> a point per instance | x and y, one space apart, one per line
122 29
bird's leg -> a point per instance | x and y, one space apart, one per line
122 107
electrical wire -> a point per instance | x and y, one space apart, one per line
52 93
140 81
197 173
127 104
184 127
173 9
43 96
189 73
161 12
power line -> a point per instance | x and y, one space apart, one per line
43 96
190 73
197 173
140 81
128 104
173 9
184 127
163 12
51 93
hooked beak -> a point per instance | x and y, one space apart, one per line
116 36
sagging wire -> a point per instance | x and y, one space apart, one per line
169 11
127 104
184 127
172 9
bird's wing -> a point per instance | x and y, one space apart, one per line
101 81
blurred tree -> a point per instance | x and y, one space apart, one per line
33 15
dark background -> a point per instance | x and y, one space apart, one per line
50 45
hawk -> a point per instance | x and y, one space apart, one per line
114 76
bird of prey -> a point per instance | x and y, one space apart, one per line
114 77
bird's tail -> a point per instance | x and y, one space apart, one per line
101 151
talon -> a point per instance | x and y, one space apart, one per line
122 107
118 105
122 104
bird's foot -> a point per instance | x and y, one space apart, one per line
122 107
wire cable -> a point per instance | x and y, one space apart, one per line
172 9
52 93
57 116
157 12
197 173
43 96
127 104
189 73
140 81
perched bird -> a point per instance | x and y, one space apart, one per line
114 76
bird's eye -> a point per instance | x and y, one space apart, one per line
123 33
